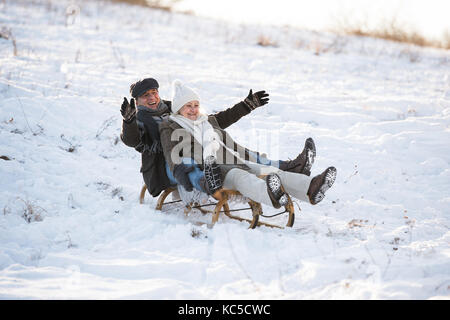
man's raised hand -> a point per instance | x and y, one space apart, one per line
128 110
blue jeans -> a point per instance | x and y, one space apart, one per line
264 160
194 175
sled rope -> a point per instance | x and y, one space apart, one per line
172 202
230 210
273 215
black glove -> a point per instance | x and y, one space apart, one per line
128 110
257 99
180 172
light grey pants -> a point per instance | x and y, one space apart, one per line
250 186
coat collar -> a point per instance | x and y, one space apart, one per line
211 119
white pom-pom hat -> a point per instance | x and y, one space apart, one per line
181 95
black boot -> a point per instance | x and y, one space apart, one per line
276 191
213 177
304 161
321 183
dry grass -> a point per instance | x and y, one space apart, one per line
27 210
392 30
264 41
446 39
6 34
155 4
336 46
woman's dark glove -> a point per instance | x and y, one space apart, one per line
128 110
181 173
257 99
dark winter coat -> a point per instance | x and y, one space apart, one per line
145 138
184 145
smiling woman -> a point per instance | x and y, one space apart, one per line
204 143
190 110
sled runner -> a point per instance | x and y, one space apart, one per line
223 197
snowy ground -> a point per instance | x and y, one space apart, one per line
71 226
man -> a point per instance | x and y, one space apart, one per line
140 130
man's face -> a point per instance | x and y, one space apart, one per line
149 99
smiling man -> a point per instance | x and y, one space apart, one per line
146 93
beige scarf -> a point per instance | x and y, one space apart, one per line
202 131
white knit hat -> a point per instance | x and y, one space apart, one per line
181 95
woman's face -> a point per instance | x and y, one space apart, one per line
190 110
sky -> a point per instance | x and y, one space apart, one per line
429 17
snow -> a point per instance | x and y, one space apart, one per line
71 226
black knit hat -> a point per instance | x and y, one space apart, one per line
142 86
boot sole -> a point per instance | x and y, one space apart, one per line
276 188
310 156
328 181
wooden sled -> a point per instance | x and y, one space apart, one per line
222 196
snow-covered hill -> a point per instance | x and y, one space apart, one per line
71 225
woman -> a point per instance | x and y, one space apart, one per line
191 136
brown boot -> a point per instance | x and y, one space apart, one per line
276 191
304 161
321 183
